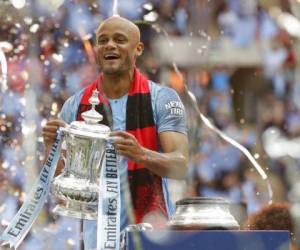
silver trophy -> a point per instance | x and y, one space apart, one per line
200 213
76 189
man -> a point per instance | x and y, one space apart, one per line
147 117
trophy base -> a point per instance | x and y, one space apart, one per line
77 210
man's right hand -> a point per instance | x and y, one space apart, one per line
49 131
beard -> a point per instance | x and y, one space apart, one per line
112 70
116 68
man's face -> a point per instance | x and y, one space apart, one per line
117 47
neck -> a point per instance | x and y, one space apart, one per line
117 85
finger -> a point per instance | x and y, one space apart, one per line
57 123
122 134
123 153
123 147
48 141
48 138
51 128
51 136
128 142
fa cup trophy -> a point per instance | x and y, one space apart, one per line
76 189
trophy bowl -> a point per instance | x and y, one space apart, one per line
76 188
202 213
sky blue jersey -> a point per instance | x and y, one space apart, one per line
168 114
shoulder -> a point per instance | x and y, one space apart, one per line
169 112
165 97
74 99
158 90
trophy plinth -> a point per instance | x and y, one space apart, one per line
76 188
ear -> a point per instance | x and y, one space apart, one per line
139 49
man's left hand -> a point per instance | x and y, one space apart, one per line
128 146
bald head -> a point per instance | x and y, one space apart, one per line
118 45
122 23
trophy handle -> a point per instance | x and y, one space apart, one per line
63 157
100 166
93 156
63 132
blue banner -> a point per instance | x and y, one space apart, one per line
27 214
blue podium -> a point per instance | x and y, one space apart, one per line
212 240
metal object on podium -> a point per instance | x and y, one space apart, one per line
200 213
133 228
76 189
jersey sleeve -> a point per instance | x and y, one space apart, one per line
70 107
68 111
170 112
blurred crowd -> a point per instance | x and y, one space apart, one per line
52 57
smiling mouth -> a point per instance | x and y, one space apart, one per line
110 57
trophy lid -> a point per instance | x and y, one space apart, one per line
90 127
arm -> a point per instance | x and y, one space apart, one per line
171 129
67 115
172 163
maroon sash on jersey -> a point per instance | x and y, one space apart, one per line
145 186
